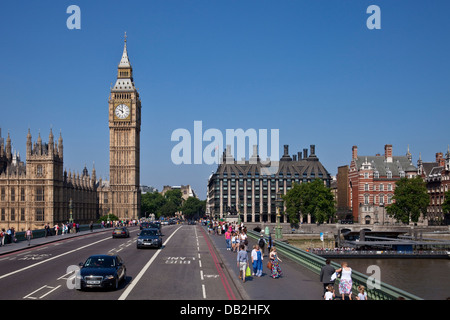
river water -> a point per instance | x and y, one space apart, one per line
426 278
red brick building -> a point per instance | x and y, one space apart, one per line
437 177
371 183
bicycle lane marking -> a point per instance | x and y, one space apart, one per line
223 278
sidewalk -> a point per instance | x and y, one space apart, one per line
296 283
36 242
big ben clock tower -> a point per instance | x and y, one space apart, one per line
124 143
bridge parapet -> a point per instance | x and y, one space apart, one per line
375 290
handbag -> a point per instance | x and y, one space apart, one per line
269 265
248 272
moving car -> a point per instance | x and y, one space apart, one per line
101 271
144 225
153 224
150 237
120 232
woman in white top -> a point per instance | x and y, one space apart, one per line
345 284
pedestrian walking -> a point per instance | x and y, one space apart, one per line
228 239
362 295
259 262
29 235
242 261
244 239
345 283
275 260
269 244
326 273
2 237
254 256
329 294
261 243
8 236
233 241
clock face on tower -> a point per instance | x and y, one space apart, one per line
122 111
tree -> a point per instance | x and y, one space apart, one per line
446 204
193 207
168 209
175 197
108 217
151 202
312 198
411 200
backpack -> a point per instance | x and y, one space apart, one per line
261 243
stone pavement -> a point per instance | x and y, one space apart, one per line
35 242
296 283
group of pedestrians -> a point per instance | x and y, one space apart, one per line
328 277
66 228
7 236
236 239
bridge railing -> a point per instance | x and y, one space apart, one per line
375 290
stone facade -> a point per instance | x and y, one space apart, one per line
437 177
371 184
124 142
246 189
39 192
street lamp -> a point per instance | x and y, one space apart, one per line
70 211
278 229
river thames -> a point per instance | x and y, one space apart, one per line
426 278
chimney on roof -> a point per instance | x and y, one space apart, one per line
305 153
286 150
299 155
354 152
313 150
440 159
388 152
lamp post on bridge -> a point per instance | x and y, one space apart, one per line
278 229
70 211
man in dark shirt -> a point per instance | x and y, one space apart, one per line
325 275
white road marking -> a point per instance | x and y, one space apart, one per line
50 259
29 296
144 270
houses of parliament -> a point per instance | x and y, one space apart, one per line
38 191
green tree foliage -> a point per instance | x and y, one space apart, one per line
151 202
446 204
109 217
411 200
193 207
175 197
310 198
161 205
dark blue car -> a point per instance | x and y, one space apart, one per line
101 271
148 238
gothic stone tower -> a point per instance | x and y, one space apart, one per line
124 143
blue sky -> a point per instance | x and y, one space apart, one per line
311 69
